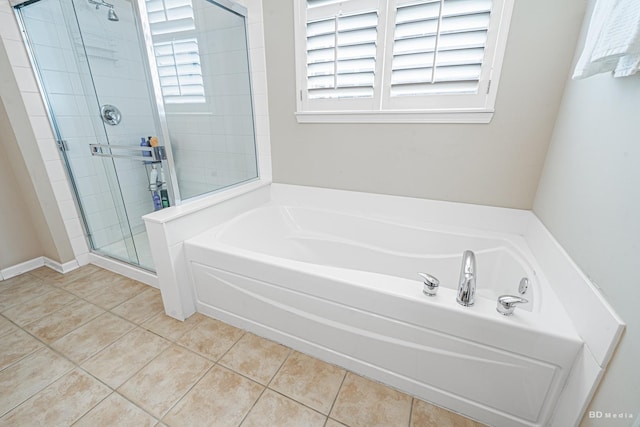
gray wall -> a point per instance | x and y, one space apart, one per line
496 164
589 198
19 240
20 143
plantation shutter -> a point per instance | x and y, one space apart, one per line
170 16
180 72
439 47
341 56
176 50
342 41
399 61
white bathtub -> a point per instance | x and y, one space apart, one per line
335 276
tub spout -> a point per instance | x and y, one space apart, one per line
467 282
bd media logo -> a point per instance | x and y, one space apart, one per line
609 415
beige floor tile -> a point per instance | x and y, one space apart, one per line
333 423
16 281
6 327
309 381
364 403
88 284
92 337
168 377
141 307
29 376
58 279
115 410
273 409
15 346
59 404
118 362
427 415
170 328
39 307
63 321
211 338
256 358
21 293
45 273
116 292
221 398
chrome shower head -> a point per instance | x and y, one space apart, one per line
112 15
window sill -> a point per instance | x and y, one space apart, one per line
394 117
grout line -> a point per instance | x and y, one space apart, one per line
92 408
335 399
298 402
38 391
213 362
76 366
413 401
266 387
187 392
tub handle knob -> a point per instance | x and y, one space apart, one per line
507 304
431 284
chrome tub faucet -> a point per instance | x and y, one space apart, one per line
467 282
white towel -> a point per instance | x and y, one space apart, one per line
613 40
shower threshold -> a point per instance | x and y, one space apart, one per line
118 250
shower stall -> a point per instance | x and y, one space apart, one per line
150 103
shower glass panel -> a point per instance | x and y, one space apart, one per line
86 59
113 73
201 54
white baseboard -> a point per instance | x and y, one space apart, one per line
106 263
32 264
61 268
23 267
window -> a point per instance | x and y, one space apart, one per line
178 63
399 60
176 50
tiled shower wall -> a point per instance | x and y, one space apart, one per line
118 71
118 77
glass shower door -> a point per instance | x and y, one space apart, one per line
126 114
114 74
89 62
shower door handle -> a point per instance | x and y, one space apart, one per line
158 153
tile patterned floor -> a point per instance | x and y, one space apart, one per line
92 348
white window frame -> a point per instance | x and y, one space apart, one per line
382 108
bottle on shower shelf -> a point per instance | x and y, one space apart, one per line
164 194
153 187
145 143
